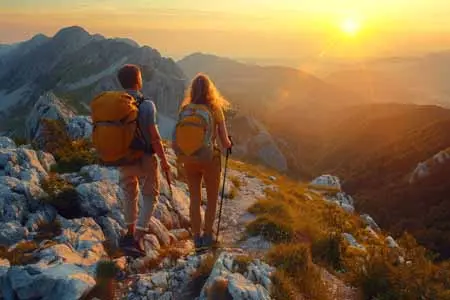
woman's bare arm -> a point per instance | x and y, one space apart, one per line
223 135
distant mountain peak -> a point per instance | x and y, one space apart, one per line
71 32
39 37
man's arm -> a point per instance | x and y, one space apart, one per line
158 146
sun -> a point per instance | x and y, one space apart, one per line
350 27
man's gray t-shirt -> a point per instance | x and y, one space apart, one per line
147 115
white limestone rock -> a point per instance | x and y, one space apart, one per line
391 243
327 181
52 282
50 107
350 239
79 127
12 233
99 173
7 143
165 238
369 221
97 198
47 160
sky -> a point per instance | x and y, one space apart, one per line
279 30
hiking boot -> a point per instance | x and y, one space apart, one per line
208 241
198 242
131 247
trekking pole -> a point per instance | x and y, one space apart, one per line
169 182
223 192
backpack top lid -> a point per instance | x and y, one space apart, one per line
113 106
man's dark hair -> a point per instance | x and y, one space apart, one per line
128 76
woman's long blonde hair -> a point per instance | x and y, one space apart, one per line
203 91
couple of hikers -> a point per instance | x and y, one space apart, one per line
126 135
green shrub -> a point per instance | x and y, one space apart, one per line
106 269
70 155
63 196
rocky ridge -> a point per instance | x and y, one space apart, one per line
64 259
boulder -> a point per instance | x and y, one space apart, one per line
391 243
7 143
350 239
179 202
50 107
30 190
79 127
166 214
50 282
111 229
21 163
327 181
12 233
45 215
165 238
47 160
84 235
13 206
348 208
151 243
97 198
241 288
99 173
369 221
238 286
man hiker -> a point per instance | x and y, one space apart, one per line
126 135
146 169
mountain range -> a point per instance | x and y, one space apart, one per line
283 117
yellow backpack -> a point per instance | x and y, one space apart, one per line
116 135
194 133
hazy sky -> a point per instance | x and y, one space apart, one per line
285 29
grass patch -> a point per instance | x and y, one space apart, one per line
326 251
236 181
380 275
295 263
242 262
272 228
233 193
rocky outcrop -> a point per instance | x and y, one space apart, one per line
254 141
426 168
79 127
327 181
49 107
254 284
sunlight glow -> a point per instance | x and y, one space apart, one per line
350 27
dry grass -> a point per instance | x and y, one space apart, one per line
294 261
242 262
